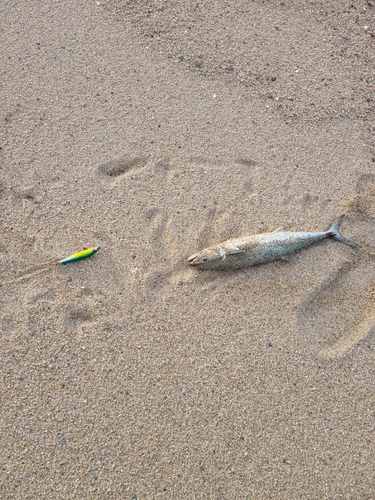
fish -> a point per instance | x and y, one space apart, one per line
80 255
263 248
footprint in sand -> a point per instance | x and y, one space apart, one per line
121 166
341 312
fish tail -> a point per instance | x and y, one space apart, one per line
333 232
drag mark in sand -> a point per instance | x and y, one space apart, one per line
166 199
185 203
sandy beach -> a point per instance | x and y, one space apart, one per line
155 129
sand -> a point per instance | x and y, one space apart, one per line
154 130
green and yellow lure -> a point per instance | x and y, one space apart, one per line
80 255
44 266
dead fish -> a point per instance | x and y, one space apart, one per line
262 248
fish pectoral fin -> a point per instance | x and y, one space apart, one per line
277 230
286 258
234 251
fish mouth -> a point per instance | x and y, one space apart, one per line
193 260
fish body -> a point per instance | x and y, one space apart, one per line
80 255
262 248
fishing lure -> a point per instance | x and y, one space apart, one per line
80 255
45 266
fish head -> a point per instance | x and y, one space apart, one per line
206 259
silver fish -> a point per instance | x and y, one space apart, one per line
262 248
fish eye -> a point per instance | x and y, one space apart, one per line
205 259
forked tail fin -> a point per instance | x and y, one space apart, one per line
333 232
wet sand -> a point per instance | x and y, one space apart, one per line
153 131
